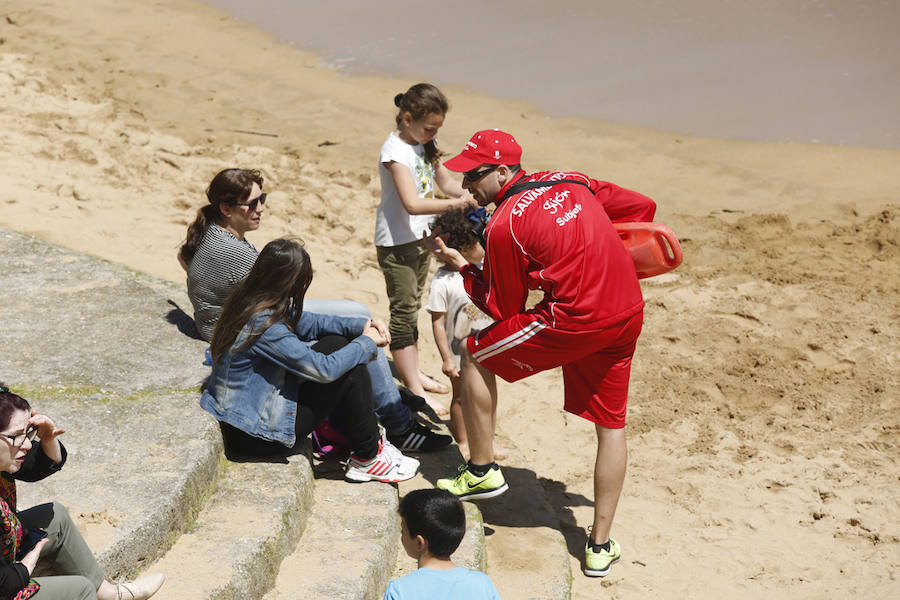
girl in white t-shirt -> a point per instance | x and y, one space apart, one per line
410 167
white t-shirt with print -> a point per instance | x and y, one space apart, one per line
393 225
447 294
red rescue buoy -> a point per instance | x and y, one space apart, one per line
653 247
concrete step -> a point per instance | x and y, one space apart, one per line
349 547
73 320
96 347
523 534
249 524
139 468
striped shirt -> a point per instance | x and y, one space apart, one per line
222 261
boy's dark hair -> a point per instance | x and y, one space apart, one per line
436 515
457 226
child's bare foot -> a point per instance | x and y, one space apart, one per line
435 387
437 407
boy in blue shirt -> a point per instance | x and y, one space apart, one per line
433 523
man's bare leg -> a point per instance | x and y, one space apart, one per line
479 400
609 476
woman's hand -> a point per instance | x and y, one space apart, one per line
48 432
378 331
30 559
382 328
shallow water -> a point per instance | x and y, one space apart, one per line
804 71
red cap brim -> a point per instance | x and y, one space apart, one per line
462 163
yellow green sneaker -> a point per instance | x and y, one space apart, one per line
597 564
467 486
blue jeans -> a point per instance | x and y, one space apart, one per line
390 410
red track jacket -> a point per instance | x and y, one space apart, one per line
560 239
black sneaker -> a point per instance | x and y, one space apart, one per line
419 438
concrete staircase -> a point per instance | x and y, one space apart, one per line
100 349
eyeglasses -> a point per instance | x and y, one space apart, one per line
19 439
253 204
474 175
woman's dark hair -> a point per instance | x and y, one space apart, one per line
419 101
229 187
436 515
457 226
278 282
9 404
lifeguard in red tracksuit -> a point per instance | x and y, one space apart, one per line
550 231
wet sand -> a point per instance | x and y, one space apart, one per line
824 71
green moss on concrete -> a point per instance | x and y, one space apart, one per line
97 393
192 513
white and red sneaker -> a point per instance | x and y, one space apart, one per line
389 465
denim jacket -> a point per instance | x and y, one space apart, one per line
256 388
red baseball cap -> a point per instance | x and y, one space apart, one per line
488 147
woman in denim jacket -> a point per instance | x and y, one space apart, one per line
270 388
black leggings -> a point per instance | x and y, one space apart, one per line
350 394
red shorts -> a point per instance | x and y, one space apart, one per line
596 365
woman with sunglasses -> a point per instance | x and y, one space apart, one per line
215 253
217 257
30 451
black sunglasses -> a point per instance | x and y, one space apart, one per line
474 175
261 199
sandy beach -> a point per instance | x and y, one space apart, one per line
764 418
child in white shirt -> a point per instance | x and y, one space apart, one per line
454 317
